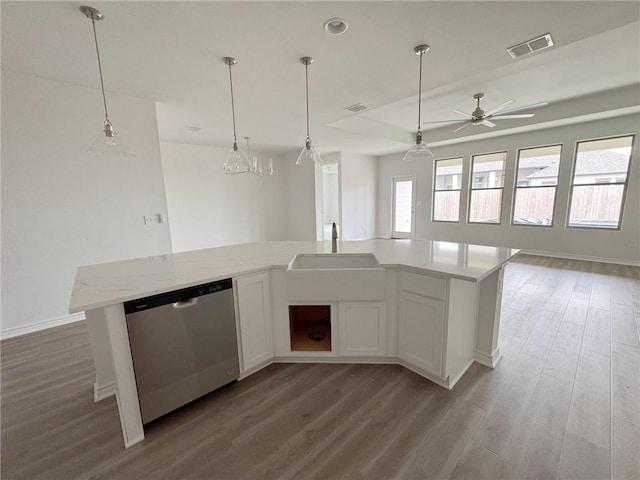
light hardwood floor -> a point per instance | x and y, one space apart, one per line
564 403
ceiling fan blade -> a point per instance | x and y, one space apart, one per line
446 121
466 115
528 107
488 123
510 117
498 108
460 128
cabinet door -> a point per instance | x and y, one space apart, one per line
362 328
256 329
421 332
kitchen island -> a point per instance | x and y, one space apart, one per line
436 310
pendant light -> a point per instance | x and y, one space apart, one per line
237 161
256 168
108 140
309 153
419 150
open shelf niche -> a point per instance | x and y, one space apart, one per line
310 328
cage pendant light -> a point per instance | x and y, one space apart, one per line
419 150
236 161
256 167
108 140
309 154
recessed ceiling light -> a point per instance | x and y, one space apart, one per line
335 26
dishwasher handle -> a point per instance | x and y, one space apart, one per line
186 304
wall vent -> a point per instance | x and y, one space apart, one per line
530 46
356 107
192 128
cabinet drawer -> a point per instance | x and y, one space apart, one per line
423 285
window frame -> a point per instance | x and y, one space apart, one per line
459 190
516 187
572 185
471 189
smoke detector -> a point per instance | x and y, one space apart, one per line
530 46
356 107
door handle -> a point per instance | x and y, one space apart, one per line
186 304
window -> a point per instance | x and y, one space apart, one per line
537 178
487 172
595 203
446 190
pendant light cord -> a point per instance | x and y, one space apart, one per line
233 108
420 92
104 98
306 74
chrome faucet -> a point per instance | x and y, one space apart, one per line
334 238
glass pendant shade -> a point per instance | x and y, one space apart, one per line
237 161
309 155
418 151
109 142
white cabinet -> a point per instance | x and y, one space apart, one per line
362 328
421 326
254 320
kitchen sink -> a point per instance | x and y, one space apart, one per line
335 277
333 261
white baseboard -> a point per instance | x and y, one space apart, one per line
570 256
490 361
100 392
36 327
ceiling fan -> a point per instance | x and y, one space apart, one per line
480 117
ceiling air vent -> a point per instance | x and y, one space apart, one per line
356 107
530 46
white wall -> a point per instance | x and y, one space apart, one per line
62 208
208 208
359 175
300 187
619 245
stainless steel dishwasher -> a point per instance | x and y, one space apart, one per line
183 345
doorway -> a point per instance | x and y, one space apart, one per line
403 207
330 198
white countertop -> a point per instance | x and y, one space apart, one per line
110 283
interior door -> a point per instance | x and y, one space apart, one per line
403 207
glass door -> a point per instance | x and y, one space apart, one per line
403 218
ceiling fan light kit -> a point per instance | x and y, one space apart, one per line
480 117
108 140
419 150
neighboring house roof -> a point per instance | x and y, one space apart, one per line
532 162
596 162
589 163
538 162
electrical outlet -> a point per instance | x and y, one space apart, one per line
154 219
